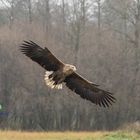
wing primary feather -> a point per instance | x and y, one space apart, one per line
102 103
107 104
112 99
108 100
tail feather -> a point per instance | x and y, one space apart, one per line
50 81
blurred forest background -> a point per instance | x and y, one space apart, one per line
100 37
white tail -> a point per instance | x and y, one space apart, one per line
49 81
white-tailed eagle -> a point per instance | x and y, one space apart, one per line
57 73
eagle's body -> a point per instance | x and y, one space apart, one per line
58 73
56 78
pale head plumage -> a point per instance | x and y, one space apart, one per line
69 69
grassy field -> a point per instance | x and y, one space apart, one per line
116 135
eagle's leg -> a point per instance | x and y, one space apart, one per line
53 79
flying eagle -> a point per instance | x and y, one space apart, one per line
58 72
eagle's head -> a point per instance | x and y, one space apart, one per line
72 67
69 69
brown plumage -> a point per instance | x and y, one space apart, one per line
58 73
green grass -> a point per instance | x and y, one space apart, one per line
115 135
120 135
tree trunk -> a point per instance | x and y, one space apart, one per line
47 16
137 36
30 11
11 18
99 24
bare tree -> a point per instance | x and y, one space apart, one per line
99 22
48 15
130 14
29 10
115 26
78 23
10 5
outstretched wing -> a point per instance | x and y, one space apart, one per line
42 56
89 91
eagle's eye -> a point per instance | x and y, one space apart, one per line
74 68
